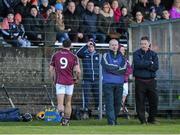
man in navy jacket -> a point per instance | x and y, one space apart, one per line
90 61
113 67
145 67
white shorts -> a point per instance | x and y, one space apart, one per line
125 89
64 89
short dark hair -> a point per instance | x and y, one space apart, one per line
145 38
66 43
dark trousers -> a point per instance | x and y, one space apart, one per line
113 98
88 87
145 90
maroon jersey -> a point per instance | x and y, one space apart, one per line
64 61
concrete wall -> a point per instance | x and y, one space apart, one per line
24 71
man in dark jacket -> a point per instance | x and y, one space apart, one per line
90 61
89 22
23 8
145 67
72 22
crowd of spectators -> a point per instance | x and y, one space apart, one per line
44 22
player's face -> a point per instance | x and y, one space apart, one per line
144 45
90 6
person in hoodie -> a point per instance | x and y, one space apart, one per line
113 70
9 29
90 61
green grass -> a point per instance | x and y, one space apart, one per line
91 127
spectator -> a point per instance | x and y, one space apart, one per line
124 21
81 8
62 67
58 18
96 10
90 61
34 2
116 11
175 10
139 17
105 22
22 38
165 15
9 4
50 27
9 29
23 8
153 15
44 7
89 22
126 76
34 27
159 7
126 3
145 66
99 2
113 68
72 22
143 6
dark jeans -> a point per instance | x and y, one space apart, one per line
145 90
113 98
88 87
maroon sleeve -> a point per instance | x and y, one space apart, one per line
52 62
76 60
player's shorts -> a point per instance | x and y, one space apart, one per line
64 89
125 89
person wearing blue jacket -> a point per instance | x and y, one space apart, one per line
113 70
90 62
145 66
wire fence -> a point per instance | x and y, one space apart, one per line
24 71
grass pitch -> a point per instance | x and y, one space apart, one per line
91 127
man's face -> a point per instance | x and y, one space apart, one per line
144 45
71 7
113 45
90 6
91 47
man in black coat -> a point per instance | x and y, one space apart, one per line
72 22
145 67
